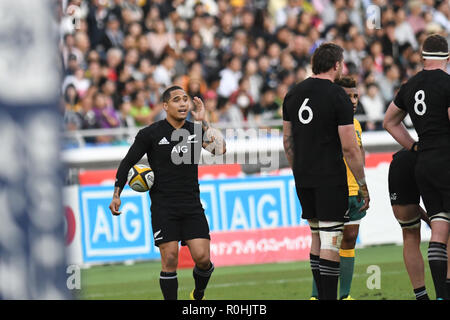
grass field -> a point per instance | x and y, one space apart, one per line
276 281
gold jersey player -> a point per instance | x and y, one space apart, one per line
318 132
173 147
351 228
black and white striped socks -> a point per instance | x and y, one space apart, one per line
421 293
437 259
329 277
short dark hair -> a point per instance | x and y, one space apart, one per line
325 57
166 93
435 43
346 82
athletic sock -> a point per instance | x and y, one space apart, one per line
421 293
448 286
437 259
314 262
329 277
347 265
168 282
201 278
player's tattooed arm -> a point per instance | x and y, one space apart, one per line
117 192
288 142
213 141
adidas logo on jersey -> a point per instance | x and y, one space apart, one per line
163 141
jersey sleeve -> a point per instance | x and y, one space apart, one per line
137 150
398 100
285 107
344 107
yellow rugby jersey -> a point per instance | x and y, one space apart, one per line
351 181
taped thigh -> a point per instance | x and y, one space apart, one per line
330 233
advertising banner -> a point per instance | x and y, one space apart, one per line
108 238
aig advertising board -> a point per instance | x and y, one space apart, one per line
252 219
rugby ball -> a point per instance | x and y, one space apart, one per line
140 178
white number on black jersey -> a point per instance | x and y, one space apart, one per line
419 97
305 108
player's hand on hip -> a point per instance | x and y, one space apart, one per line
114 206
363 194
199 109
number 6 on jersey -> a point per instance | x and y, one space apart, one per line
305 108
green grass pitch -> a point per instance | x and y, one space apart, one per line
275 281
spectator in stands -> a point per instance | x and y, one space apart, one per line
229 79
210 99
147 45
240 104
105 115
140 110
159 39
388 81
374 107
165 71
113 36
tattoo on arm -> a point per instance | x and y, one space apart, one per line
117 192
205 125
289 149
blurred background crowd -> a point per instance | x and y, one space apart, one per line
240 56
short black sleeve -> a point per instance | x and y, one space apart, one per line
344 107
285 112
398 100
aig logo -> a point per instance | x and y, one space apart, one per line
178 149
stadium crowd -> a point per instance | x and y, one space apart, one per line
240 56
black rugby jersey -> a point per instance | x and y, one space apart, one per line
316 107
426 98
173 155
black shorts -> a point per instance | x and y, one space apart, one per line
433 179
403 188
178 224
324 203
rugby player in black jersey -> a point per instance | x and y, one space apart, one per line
318 132
426 98
173 148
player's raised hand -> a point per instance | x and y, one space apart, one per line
114 206
363 194
199 109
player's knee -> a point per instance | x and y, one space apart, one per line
169 260
410 224
348 241
349 236
202 260
330 235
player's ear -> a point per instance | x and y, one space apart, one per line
165 106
